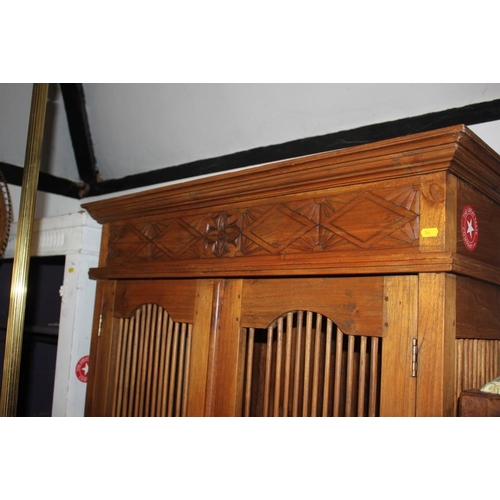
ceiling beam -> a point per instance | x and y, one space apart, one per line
76 112
468 115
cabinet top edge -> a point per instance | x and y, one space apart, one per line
445 149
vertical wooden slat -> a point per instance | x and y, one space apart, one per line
267 377
350 376
186 371
483 362
338 372
138 363
474 363
133 363
127 360
374 362
288 362
173 366
491 353
277 378
143 356
119 370
178 373
162 388
150 360
362 376
166 375
307 364
460 366
315 370
467 365
296 376
496 360
156 361
328 353
249 364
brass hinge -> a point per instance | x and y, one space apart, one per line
100 326
414 355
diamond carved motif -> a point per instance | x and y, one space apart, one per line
278 228
125 243
367 219
176 237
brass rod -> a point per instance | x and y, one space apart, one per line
19 284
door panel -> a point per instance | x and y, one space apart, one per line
150 332
312 346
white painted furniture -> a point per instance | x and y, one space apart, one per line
77 237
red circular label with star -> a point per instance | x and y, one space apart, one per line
82 369
470 228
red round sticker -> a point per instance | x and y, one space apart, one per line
82 369
470 228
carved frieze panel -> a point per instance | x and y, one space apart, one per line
361 220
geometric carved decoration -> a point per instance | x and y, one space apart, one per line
387 218
277 228
176 237
221 234
367 219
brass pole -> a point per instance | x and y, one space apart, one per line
19 284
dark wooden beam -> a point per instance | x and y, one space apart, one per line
468 115
76 112
46 182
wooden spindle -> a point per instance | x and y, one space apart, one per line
133 363
267 377
362 376
374 360
150 360
307 365
178 374
156 360
118 393
128 367
288 362
162 388
460 366
328 354
315 369
277 378
350 376
186 371
166 378
173 367
338 372
248 381
296 376
142 356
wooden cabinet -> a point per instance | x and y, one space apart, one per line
359 282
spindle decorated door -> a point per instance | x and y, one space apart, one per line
150 354
255 347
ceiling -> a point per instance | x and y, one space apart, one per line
142 134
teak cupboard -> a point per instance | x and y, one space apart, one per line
358 282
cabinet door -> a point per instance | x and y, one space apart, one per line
315 347
150 348
306 347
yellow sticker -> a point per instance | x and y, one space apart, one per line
71 270
429 232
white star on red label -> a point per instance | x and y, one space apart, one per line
470 229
